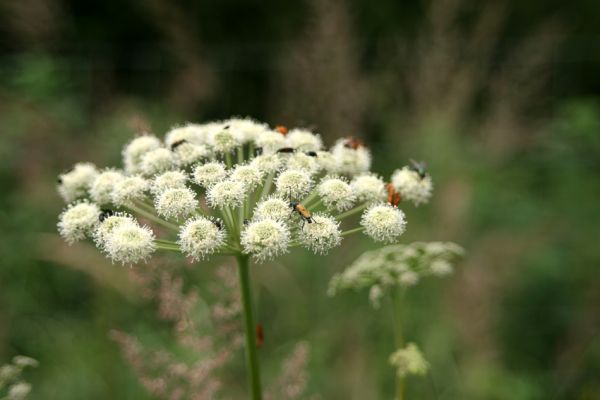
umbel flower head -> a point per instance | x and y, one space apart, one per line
396 265
236 187
409 361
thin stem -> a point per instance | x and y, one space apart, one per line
240 154
152 217
228 160
397 318
267 186
351 231
167 247
351 212
251 353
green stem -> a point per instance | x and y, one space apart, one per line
351 231
152 217
240 154
399 343
266 187
251 353
349 213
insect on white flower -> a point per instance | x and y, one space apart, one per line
412 186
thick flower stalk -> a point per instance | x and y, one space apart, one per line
235 188
391 270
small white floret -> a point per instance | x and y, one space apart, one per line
302 161
321 235
270 141
78 221
326 161
246 129
383 223
265 239
74 185
273 208
268 163
350 161
129 189
223 139
189 153
304 140
409 361
176 203
209 174
336 194
228 193
200 237
190 133
249 175
108 224
412 186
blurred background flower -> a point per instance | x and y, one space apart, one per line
499 98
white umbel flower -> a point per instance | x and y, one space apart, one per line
190 133
130 243
223 139
265 239
350 161
209 174
326 161
408 278
168 180
133 152
441 267
18 391
304 140
189 153
129 189
246 129
249 175
78 221
304 162
268 163
383 223
157 161
409 361
228 193
368 188
270 141
321 235
273 208
336 194
106 227
176 203
293 183
104 185
74 185
200 237
412 186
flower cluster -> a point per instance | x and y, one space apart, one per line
234 187
11 380
396 265
409 361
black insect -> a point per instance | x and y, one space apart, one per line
419 168
246 221
258 151
59 180
286 150
226 127
105 213
177 143
311 153
218 223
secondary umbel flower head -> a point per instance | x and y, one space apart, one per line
336 193
190 133
157 161
176 203
208 174
409 361
168 180
249 175
103 186
268 163
304 162
304 140
246 129
383 223
223 140
188 153
321 235
270 142
368 188
412 186
228 193
108 224
74 185
293 183
130 243
129 189
200 237
351 160
133 152
78 221
265 239
273 208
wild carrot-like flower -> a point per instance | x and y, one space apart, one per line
237 188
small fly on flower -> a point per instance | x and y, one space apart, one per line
394 197
105 213
177 143
311 153
419 168
282 129
353 143
286 150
